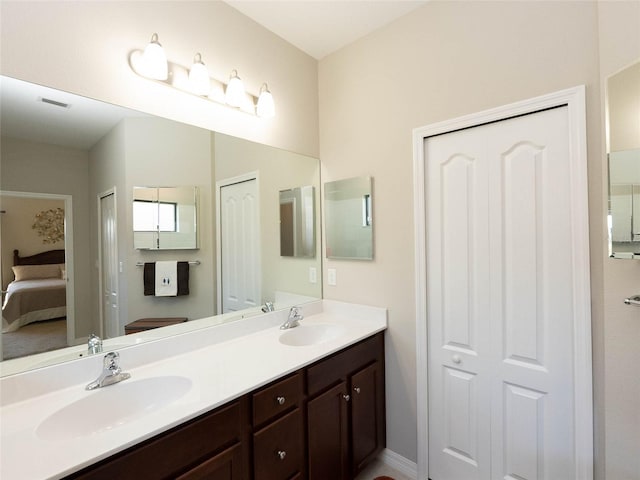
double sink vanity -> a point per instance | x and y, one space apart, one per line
243 400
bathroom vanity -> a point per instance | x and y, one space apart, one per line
303 403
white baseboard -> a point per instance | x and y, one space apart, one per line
399 463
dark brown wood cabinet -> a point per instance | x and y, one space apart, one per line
346 410
215 442
328 434
367 415
323 422
278 439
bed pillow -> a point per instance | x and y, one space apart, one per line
32 272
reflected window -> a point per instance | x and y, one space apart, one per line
151 216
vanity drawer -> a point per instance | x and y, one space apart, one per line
278 449
276 399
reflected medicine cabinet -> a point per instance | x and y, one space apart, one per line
165 218
348 218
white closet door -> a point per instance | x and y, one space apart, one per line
109 266
500 301
240 249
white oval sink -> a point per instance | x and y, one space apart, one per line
112 406
304 335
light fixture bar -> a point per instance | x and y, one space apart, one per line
230 94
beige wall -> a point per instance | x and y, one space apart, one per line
619 29
160 152
445 60
277 170
83 47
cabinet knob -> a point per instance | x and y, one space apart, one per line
281 454
356 389
346 397
281 400
456 359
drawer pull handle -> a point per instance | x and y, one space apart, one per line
346 397
281 400
356 389
281 454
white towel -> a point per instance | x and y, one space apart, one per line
166 279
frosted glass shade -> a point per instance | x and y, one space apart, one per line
154 60
235 93
265 107
199 82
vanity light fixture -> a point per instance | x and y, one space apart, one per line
152 64
199 77
235 90
154 60
265 107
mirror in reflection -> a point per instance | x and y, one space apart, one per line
297 222
348 218
165 218
88 158
623 105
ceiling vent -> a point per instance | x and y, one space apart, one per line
54 102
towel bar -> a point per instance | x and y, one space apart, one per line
635 300
192 262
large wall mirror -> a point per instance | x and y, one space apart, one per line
623 140
78 161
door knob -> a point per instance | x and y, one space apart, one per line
456 359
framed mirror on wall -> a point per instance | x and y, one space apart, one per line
88 148
349 218
623 150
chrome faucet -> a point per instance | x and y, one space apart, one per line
94 344
295 315
267 307
111 372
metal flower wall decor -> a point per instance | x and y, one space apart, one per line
50 225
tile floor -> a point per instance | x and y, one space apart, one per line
377 469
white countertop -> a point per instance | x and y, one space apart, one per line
222 362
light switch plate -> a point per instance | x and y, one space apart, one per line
331 276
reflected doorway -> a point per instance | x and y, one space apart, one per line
239 244
108 238
34 224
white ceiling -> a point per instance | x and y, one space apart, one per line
320 27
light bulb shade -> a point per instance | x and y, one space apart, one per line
234 95
154 61
199 81
265 107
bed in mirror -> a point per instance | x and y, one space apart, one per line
82 159
623 149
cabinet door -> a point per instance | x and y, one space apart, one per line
367 415
224 466
327 417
